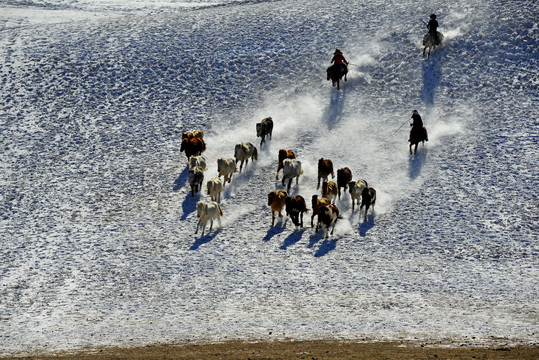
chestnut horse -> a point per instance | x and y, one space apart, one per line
192 146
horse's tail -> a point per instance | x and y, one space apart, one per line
220 210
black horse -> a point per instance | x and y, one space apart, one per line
335 75
417 135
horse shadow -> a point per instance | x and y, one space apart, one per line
314 238
292 239
432 75
415 164
366 226
189 205
204 239
272 231
181 180
334 110
326 247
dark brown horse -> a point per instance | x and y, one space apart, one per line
334 75
295 207
263 129
417 135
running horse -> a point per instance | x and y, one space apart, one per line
334 75
417 135
430 43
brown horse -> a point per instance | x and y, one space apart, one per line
417 135
192 146
334 75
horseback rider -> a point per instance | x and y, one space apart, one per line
417 126
433 29
340 63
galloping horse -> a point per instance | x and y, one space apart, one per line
334 75
417 135
429 42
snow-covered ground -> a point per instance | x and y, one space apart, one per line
97 221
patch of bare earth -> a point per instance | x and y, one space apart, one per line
311 350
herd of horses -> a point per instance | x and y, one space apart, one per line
323 206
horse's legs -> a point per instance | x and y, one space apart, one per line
204 227
198 225
289 184
366 211
334 223
301 218
415 149
272 218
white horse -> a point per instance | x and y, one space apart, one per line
226 167
429 42
291 169
207 211
245 151
215 188
356 189
195 161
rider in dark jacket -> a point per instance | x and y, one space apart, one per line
417 122
433 28
340 62
417 125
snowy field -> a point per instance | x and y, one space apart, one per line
97 220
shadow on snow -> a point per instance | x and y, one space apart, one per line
366 226
204 239
334 110
416 162
292 239
181 180
432 74
274 230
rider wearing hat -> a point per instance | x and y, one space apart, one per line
433 28
340 62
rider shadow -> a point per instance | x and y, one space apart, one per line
334 110
432 74
292 239
204 239
415 163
